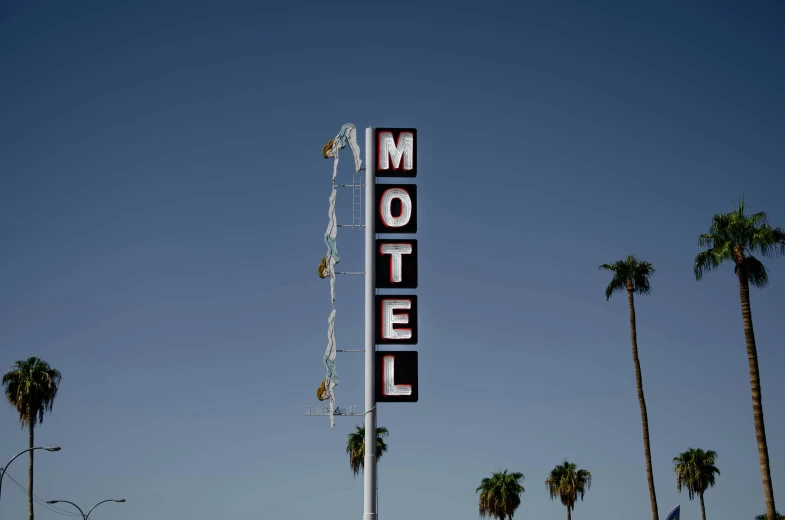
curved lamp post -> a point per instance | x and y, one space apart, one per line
3 469
85 516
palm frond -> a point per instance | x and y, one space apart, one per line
767 241
757 274
764 517
705 261
641 272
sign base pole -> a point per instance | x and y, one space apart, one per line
369 471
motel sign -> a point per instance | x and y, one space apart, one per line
395 320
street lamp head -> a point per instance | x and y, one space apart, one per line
52 448
52 501
119 500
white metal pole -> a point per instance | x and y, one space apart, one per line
369 471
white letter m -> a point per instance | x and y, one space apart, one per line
389 149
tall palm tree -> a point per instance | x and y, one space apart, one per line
633 276
695 471
31 386
355 447
500 495
733 237
568 483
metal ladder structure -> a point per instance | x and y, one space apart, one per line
358 188
357 199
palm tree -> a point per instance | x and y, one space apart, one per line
568 483
31 386
633 276
500 495
733 237
355 447
695 471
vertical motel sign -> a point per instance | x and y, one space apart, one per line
396 265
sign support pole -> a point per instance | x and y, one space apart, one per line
369 472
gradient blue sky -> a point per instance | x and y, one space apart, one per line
162 204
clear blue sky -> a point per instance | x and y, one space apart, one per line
162 204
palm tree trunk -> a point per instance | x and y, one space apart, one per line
703 508
644 416
569 515
757 405
30 472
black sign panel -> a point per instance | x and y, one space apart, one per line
396 152
396 208
396 377
396 319
396 264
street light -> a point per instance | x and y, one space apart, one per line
86 516
3 469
